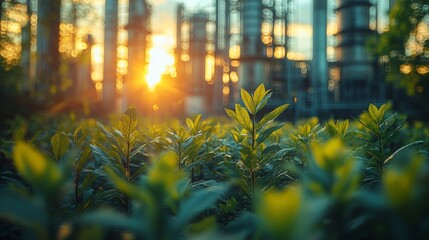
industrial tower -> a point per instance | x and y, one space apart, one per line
356 68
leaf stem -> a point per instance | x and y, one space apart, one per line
252 171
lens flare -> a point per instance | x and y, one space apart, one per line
160 61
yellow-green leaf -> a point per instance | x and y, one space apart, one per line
190 123
271 116
126 187
197 120
373 112
259 94
248 101
279 210
60 145
38 170
243 117
231 113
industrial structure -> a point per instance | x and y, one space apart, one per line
241 44
251 46
196 100
138 31
233 44
110 58
356 72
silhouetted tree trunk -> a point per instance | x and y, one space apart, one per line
48 56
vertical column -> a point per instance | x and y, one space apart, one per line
221 52
197 95
356 65
25 61
319 65
48 56
137 32
110 49
253 67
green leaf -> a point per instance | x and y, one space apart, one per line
190 123
267 132
236 135
304 130
339 128
137 150
231 114
194 125
109 219
401 149
197 121
243 117
191 150
24 210
377 114
88 180
138 172
230 205
248 101
382 110
263 101
344 126
85 156
101 156
60 144
259 94
271 116
128 188
112 139
198 202
128 122
40 171
372 110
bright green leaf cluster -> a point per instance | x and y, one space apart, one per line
252 136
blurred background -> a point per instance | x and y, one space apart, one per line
169 58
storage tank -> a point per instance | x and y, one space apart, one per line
253 68
137 33
355 64
319 68
196 101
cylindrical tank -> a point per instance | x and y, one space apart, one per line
253 68
319 68
196 101
354 61
252 20
137 33
197 51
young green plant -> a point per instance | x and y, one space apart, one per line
256 132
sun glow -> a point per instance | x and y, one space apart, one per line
160 61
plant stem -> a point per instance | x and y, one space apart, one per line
76 191
179 154
253 132
252 171
380 149
128 166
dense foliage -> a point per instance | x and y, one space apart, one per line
405 48
366 178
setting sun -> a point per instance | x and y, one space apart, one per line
160 61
